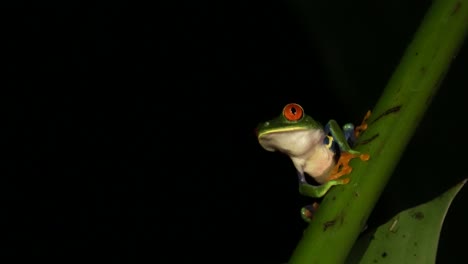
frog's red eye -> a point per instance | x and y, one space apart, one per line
293 112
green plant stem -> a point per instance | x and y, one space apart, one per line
344 211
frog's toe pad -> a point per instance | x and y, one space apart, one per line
345 180
364 157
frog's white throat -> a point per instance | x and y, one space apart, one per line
292 143
306 150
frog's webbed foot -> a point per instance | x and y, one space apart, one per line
308 212
342 166
363 126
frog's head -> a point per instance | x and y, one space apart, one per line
293 132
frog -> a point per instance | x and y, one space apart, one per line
321 152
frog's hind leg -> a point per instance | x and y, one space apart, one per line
349 133
341 137
308 212
314 191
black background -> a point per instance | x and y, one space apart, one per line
133 138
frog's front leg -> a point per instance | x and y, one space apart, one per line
347 153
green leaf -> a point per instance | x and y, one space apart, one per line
409 237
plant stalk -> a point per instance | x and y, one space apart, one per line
345 209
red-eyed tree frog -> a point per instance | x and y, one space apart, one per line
320 152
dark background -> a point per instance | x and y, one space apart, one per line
133 138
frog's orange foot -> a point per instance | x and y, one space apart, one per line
361 128
342 166
338 171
